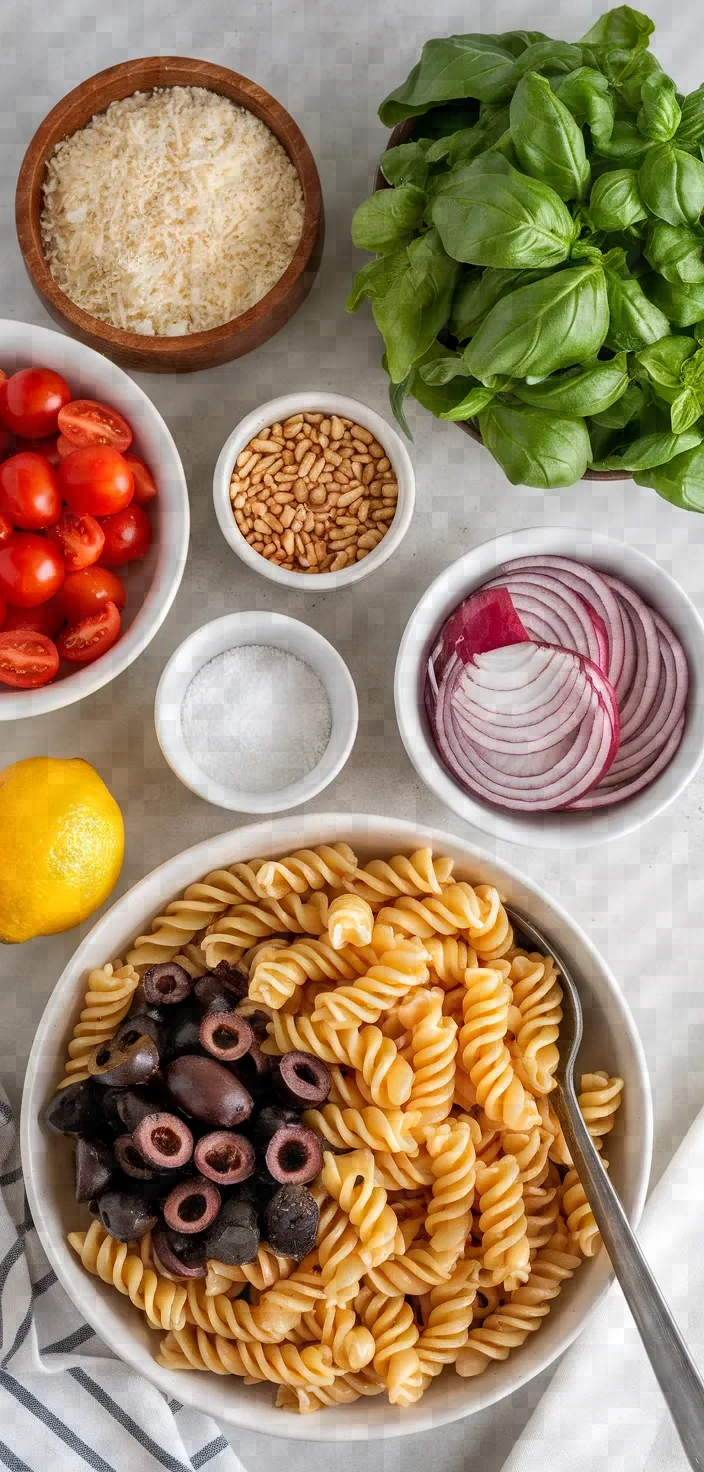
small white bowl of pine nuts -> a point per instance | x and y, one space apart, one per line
314 489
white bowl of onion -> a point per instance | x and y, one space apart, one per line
511 810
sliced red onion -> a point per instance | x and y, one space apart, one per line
593 587
606 797
542 601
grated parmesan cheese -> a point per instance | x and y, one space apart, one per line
171 213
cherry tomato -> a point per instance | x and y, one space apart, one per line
30 401
47 618
46 447
80 539
31 570
3 611
63 447
29 491
85 592
27 660
3 376
98 480
6 528
87 640
85 422
144 483
128 535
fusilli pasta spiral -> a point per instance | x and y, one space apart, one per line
395 974
278 1311
536 999
308 869
193 1349
107 1000
503 1222
395 1333
350 921
484 1054
163 1301
527 1306
198 907
351 1129
451 1148
432 1051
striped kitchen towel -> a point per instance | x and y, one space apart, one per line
65 1400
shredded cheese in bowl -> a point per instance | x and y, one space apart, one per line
170 213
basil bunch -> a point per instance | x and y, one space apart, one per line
539 264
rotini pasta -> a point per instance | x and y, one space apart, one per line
449 1211
107 1000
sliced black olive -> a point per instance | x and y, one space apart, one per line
121 1063
164 1140
192 1206
95 1167
166 984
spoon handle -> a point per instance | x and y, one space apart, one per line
672 1363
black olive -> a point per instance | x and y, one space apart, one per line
121 1063
166 984
95 1167
126 1215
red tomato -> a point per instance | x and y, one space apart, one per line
98 480
6 528
144 483
63 447
85 422
3 376
3 611
27 660
87 640
31 570
85 592
30 401
128 535
29 491
47 618
46 447
80 539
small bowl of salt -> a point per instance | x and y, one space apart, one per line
256 712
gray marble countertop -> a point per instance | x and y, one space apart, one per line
641 898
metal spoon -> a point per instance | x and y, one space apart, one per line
672 1363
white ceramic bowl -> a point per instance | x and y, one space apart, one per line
548 830
153 583
313 402
274 629
610 1041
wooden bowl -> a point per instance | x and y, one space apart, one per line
401 134
197 349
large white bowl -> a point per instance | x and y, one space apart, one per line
311 401
153 583
556 829
610 1042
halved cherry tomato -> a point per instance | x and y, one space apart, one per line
80 539
128 535
98 480
27 660
85 592
47 618
3 611
63 447
30 401
6 528
144 483
85 422
87 640
31 570
29 491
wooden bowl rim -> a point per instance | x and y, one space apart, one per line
203 74
400 134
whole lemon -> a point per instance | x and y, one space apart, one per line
61 846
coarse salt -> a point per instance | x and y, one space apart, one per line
256 718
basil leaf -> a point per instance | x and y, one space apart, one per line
634 320
411 313
625 145
397 396
535 448
489 214
376 279
405 164
517 42
623 411
587 390
681 481
685 410
456 148
586 93
672 184
682 304
435 397
691 129
469 407
649 451
478 292
628 70
615 201
663 361
549 56
448 118
444 368
455 67
621 27
659 116
676 251
552 324
548 142
388 219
